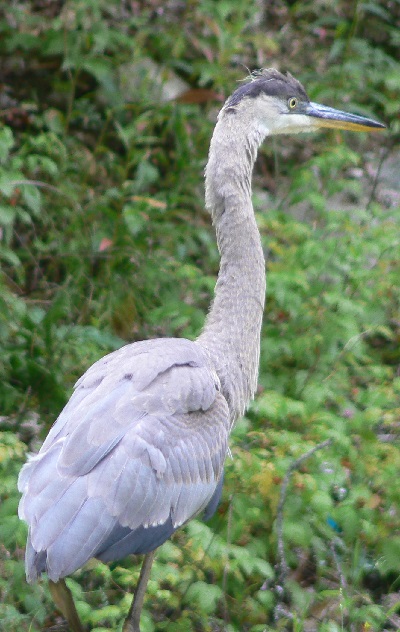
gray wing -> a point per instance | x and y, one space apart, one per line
138 450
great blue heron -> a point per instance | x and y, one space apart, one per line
140 447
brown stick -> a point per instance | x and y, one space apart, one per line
132 621
64 601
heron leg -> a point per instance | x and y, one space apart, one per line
132 621
63 599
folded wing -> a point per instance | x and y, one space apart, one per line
138 450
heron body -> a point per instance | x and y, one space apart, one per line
140 447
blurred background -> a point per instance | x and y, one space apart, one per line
106 112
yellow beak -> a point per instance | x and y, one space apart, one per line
329 117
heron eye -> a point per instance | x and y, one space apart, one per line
292 103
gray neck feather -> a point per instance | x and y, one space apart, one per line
231 333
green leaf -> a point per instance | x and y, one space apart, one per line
8 182
7 215
33 198
146 174
297 534
134 220
107 613
6 143
6 254
276 406
204 596
389 560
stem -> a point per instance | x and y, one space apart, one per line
282 563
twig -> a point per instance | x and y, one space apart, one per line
344 587
384 156
44 185
282 563
350 344
281 609
226 566
342 578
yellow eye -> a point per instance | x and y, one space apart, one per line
292 103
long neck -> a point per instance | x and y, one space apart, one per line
232 329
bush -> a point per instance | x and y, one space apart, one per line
104 239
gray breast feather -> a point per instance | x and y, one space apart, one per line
143 438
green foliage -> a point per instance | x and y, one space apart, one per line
103 239
17 597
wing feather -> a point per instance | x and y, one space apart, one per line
138 450
70 551
58 516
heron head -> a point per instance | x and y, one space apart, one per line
279 105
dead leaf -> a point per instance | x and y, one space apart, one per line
105 244
150 201
199 95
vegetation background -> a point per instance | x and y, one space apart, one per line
107 108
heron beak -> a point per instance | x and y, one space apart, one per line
329 117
